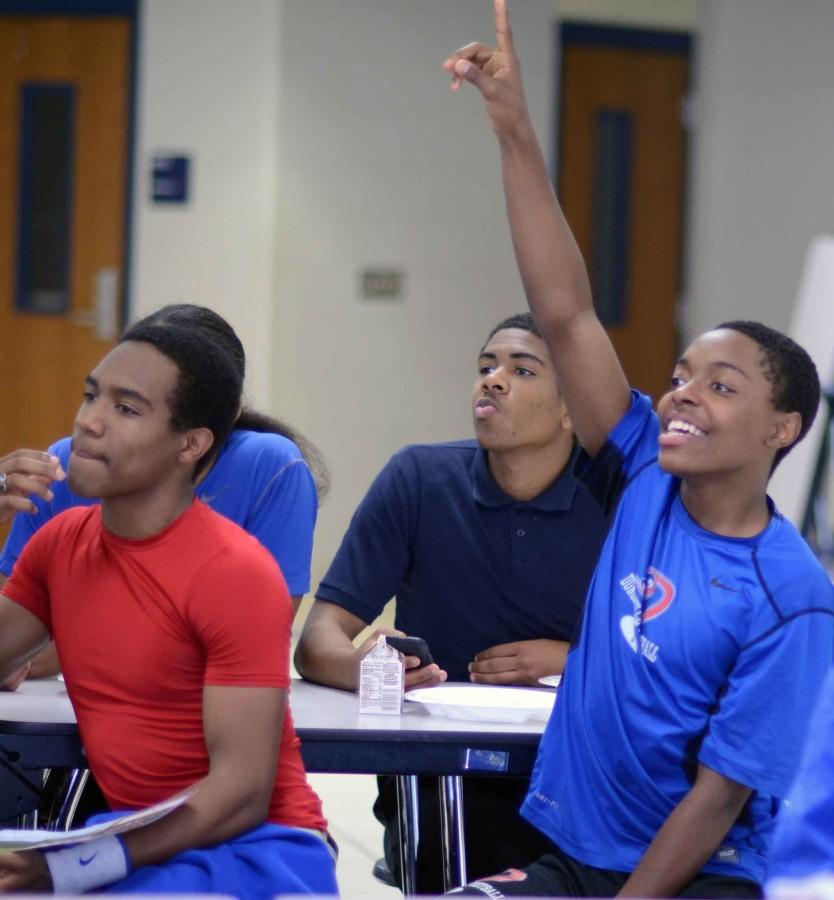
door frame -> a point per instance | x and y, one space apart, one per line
125 9
571 33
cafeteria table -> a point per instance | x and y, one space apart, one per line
38 731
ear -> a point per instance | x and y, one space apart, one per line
786 428
565 423
196 443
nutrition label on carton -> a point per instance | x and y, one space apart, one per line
381 680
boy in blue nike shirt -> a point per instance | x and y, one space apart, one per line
709 625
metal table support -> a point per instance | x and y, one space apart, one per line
408 806
451 824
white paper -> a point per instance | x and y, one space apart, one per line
30 839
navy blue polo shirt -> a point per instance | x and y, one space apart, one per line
470 566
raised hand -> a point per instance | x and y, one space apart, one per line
521 662
23 473
496 72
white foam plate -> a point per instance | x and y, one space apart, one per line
550 680
485 702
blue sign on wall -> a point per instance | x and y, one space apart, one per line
169 181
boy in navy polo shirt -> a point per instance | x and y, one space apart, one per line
488 547
709 625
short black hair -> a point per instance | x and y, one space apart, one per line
791 372
524 321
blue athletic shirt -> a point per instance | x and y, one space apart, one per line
803 846
694 648
259 480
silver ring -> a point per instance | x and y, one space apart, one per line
3 483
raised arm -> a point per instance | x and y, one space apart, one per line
552 269
326 653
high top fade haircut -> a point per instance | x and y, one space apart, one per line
209 384
791 372
524 321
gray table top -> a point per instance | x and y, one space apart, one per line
315 709
335 737
322 709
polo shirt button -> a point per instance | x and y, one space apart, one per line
521 532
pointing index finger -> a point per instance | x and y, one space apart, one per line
503 33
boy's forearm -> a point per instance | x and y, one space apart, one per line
213 815
688 838
327 658
242 727
551 265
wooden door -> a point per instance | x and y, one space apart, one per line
621 183
65 108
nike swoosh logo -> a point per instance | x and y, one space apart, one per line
86 862
715 582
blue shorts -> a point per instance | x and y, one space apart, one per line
268 860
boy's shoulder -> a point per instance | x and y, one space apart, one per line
445 452
790 572
416 464
68 521
245 447
216 531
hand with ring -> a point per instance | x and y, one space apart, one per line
25 473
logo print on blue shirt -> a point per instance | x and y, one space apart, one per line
658 592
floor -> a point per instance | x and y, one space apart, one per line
347 803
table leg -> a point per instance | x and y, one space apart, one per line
451 831
71 795
409 824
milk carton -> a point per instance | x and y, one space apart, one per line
381 680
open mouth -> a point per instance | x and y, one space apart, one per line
678 426
678 433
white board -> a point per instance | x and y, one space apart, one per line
813 327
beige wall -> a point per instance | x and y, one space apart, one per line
382 165
209 78
325 140
643 13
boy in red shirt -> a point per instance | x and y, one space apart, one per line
172 626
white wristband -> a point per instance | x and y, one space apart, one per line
83 867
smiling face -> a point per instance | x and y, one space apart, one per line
123 442
516 402
719 415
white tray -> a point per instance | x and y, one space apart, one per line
484 702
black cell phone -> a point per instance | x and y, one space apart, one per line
411 646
